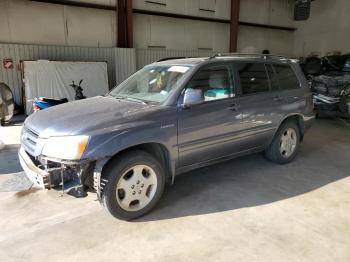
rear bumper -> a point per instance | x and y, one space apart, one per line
39 177
309 120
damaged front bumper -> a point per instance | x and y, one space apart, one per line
47 174
39 177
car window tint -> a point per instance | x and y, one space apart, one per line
287 77
273 77
253 78
214 81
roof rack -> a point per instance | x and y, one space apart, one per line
264 56
171 58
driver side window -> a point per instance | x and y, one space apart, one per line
214 81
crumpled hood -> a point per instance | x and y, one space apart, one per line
85 116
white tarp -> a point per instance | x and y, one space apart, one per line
52 79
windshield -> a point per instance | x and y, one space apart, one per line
151 84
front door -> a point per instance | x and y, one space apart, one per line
208 131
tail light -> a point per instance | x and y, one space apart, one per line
312 102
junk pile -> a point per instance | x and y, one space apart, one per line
329 79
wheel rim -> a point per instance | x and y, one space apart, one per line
136 188
288 142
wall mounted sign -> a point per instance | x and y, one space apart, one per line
8 63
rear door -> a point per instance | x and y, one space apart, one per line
291 91
260 102
208 131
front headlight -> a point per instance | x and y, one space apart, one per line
65 147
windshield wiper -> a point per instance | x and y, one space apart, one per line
117 97
136 100
133 99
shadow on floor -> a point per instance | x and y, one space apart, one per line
9 162
252 180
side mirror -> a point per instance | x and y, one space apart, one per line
193 97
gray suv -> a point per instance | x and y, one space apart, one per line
168 118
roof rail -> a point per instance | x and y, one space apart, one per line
264 56
171 58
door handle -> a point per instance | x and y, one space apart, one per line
233 107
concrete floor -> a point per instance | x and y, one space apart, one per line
247 209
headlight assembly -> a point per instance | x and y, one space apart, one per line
65 147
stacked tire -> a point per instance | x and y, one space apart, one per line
330 85
332 89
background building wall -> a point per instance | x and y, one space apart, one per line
28 22
327 29
172 33
203 8
255 40
183 34
152 31
272 12
268 12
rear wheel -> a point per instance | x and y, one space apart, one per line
135 183
284 146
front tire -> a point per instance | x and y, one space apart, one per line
135 183
285 144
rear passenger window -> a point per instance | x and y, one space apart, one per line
253 78
286 76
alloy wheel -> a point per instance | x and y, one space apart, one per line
136 187
288 142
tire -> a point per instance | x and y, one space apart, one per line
134 184
319 88
335 91
282 155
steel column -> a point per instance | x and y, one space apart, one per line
129 24
234 25
124 23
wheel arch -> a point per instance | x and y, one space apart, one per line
298 119
157 150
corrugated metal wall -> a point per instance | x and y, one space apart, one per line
125 63
122 62
18 53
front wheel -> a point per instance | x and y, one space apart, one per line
135 183
284 146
